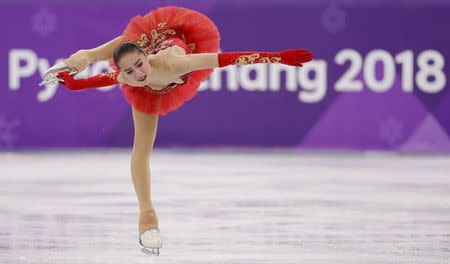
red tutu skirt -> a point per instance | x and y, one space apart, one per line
162 28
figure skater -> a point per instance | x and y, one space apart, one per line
159 60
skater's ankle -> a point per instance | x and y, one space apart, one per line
148 219
144 206
146 209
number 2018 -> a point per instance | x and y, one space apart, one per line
430 77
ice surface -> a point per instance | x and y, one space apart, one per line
231 206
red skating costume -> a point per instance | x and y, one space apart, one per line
195 33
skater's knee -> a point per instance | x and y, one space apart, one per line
142 149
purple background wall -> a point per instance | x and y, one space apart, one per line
379 79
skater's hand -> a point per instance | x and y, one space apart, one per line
65 78
79 60
296 57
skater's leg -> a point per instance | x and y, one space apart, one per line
145 127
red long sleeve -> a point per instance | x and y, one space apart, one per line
99 80
294 57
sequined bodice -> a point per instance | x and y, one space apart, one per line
161 38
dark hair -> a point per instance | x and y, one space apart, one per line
124 48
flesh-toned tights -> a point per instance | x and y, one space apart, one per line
145 127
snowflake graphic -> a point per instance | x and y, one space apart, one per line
391 130
7 136
44 22
333 19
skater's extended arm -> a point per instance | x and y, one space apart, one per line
99 80
105 51
84 57
183 64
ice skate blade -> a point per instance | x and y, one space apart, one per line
150 251
50 75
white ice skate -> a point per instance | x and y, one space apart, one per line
151 241
50 75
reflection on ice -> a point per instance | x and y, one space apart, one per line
224 207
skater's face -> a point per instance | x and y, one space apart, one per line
136 67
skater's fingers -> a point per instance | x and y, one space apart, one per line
62 75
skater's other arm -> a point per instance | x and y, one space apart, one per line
82 58
182 64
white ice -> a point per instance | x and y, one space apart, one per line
228 206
